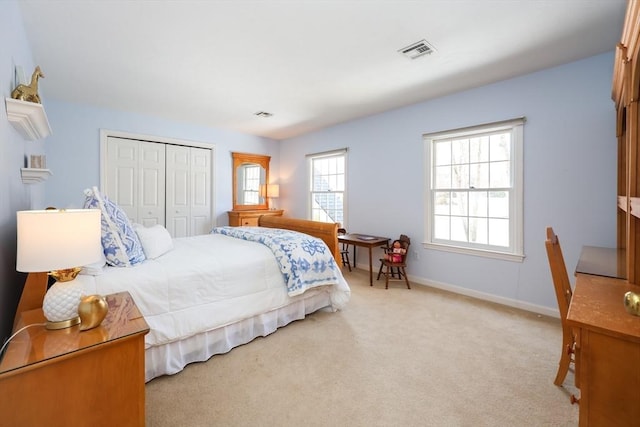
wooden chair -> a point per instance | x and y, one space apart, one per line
563 294
391 267
344 250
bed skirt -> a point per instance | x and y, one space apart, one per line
171 358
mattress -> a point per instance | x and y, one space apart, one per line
206 283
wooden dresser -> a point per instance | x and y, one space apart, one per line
70 378
249 218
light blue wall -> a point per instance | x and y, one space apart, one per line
570 175
73 151
14 195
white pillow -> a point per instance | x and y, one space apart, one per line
156 240
96 268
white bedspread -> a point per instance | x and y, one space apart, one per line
205 282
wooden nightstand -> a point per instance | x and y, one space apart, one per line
249 218
72 378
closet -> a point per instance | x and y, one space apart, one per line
157 182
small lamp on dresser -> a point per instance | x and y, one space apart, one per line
59 242
272 191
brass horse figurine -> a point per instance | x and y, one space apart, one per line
29 93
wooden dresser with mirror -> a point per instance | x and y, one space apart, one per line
249 180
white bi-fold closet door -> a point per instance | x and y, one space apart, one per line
160 183
188 190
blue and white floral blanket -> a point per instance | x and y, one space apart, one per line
305 261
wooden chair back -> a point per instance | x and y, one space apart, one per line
406 243
558 273
344 249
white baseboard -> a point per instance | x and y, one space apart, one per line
539 309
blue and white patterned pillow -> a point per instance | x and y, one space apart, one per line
121 245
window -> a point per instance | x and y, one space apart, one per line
251 184
327 184
474 197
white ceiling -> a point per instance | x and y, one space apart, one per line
311 63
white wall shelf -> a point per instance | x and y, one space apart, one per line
28 118
34 176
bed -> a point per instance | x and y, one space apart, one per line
214 292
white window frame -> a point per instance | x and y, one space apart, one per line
310 158
515 250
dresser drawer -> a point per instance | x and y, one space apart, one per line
249 218
249 221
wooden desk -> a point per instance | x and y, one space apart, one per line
366 241
608 351
71 378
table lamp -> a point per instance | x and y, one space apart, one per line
59 242
273 192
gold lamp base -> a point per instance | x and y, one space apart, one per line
66 274
63 323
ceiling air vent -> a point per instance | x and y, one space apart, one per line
417 49
263 114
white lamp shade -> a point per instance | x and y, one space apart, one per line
51 240
273 190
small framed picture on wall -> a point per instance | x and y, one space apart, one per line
37 161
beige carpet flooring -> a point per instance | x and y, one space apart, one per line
396 357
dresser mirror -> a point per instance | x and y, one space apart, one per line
250 174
